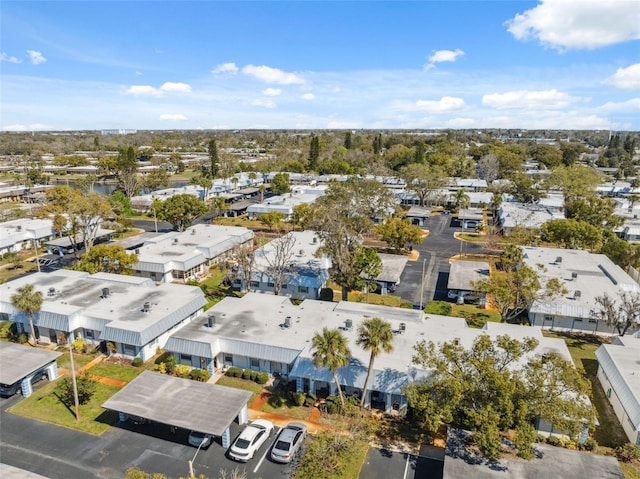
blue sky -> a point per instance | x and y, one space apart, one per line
569 64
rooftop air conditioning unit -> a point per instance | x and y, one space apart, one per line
193 232
403 327
175 240
559 259
52 291
574 275
348 324
105 292
577 294
19 228
146 307
287 322
211 320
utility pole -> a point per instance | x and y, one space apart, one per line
73 381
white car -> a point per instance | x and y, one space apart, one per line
250 439
288 442
463 296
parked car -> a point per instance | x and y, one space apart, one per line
288 442
200 439
250 439
462 297
8 390
138 420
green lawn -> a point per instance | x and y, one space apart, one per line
630 471
44 405
115 371
79 360
240 383
476 317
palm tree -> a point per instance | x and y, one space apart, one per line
375 335
252 176
461 199
29 301
331 352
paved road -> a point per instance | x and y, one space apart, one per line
435 251
387 464
60 453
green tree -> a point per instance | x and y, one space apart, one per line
572 234
86 389
374 335
621 252
272 219
214 161
314 153
595 210
156 179
205 183
512 293
107 258
377 144
348 140
280 183
181 210
524 189
127 171
425 180
331 351
622 315
120 203
29 301
370 266
397 232
574 181
302 215
219 205
461 199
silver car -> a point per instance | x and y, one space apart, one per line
288 442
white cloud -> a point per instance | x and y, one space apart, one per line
176 87
142 90
341 125
543 99
32 127
272 92
626 78
8 58
138 73
36 57
460 123
225 68
263 103
272 75
445 56
578 24
173 117
446 103
308 96
631 106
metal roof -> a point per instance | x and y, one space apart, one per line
184 403
18 361
621 364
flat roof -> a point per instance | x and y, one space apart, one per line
392 267
18 361
183 403
463 273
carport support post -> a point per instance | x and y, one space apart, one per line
226 438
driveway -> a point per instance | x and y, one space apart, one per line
60 453
435 252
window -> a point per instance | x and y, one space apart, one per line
255 363
609 393
254 284
270 284
228 359
284 286
578 320
185 359
548 317
303 289
88 334
593 320
129 350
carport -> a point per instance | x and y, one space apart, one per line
182 403
464 273
19 363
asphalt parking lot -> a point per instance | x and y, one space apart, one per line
61 453
399 465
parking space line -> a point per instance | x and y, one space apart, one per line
275 436
406 467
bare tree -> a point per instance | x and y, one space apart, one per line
488 168
620 316
246 266
278 258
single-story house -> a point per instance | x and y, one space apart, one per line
132 314
187 255
285 203
586 276
512 215
20 234
619 375
270 333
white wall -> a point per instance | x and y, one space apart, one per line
623 417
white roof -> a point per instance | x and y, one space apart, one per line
621 363
595 274
15 231
527 216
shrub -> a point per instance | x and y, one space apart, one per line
23 338
590 444
331 405
79 346
182 370
170 363
326 294
8 330
629 452
85 385
137 362
246 374
554 441
262 377
310 400
234 372
162 368
276 401
201 375
298 398
438 307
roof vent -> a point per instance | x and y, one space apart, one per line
456 341
287 322
175 241
146 307
577 293
105 293
315 240
137 251
19 228
193 231
211 321
574 275
301 252
559 259
348 324
52 291
403 328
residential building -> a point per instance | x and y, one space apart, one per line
285 203
187 255
619 375
131 313
20 234
270 333
585 276
512 215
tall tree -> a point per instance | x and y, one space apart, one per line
214 161
278 254
29 301
397 232
280 184
425 180
370 266
374 335
348 140
461 199
488 168
622 315
181 210
127 171
331 351
377 144
314 153
155 179
107 258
